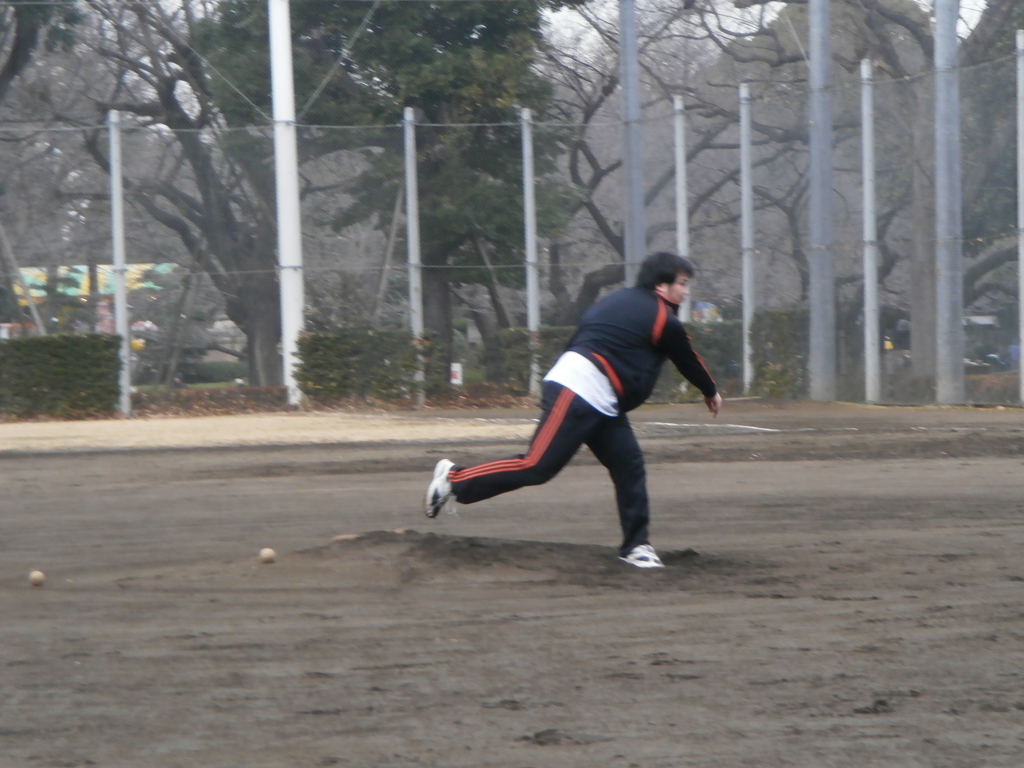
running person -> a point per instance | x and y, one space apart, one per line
609 367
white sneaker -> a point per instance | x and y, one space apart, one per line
439 492
643 556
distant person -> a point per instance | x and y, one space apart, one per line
1013 355
608 368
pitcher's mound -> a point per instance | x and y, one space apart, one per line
585 564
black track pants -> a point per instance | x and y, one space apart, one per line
568 422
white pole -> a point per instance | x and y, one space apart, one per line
682 197
121 324
412 236
532 278
1020 208
872 355
747 234
822 363
634 220
286 169
412 218
949 295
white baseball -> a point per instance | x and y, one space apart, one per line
36 578
267 555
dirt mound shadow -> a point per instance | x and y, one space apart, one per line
587 565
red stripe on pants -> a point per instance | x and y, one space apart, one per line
540 444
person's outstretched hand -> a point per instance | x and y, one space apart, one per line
714 404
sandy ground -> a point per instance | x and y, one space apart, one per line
844 588
255 429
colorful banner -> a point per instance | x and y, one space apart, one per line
74 281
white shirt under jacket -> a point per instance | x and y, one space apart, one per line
573 371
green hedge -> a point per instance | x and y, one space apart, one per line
382 364
364 364
67 376
993 388
780 341
721 346
506 354
209 401
213 372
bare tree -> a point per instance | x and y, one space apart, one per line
705 52
24 30
213 191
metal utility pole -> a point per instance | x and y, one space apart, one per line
682 197
412 236
822 362
121 324
412 218
1020 209
634 218
747 235
532 277
949 291
872 354
286 171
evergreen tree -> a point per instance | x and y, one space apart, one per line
465 67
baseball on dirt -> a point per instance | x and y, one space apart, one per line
36 578
267 555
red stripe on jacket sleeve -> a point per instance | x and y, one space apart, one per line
659 323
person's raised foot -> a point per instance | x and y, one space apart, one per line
643 556
439 492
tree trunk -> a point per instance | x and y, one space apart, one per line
437 311
259 317
556 279
568 311
94 293
167 370
264 355
493 291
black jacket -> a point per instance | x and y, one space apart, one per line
628 334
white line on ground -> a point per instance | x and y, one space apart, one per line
718 427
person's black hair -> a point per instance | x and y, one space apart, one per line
662 267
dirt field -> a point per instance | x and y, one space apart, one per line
845 588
